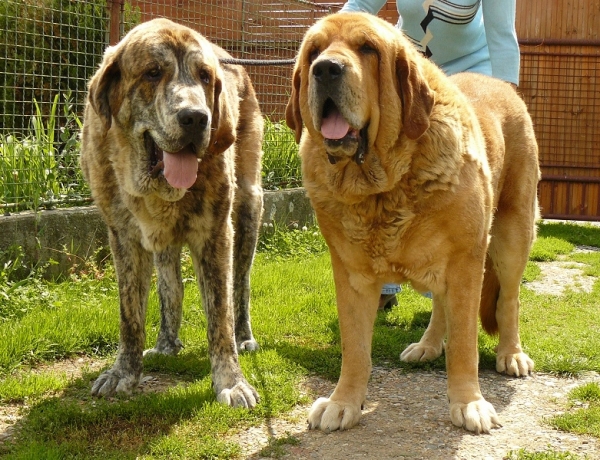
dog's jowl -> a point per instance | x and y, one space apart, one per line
171 148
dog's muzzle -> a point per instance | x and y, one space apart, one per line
340 138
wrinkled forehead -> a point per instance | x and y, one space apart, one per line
166 43
353 29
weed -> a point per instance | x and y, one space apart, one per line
524 454
278 242
275 447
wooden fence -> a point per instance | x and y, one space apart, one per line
560 82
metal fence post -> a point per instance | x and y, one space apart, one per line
116 13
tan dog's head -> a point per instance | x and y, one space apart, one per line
161 88
355 78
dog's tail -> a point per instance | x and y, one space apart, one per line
489 298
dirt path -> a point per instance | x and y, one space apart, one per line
406 416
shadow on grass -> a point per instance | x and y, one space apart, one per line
181 416
389 341
579 235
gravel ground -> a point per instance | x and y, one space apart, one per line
406 416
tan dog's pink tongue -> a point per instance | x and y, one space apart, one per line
181 168
334 126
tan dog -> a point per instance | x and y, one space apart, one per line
414 177
171 150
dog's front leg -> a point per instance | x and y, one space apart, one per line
170 296
213 261
133 265
357 301
468 408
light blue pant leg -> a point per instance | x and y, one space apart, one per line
390 288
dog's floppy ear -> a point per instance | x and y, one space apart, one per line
103 91
416 95
293 118
222 127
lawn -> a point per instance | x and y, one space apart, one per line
295 322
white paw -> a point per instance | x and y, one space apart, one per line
477 416
416 352
165 349
332 415
114 381
517 364
248 345
241 395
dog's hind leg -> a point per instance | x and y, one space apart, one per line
247 215
512 237
431 345
133 265
170 296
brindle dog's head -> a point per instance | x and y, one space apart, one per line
161 90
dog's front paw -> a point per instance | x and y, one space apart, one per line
517 364
478 416
331 415
241 395
416 352
115 381
165 348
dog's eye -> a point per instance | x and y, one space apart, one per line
314 54
154 74
367 48
204 77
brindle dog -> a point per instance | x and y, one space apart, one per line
171 148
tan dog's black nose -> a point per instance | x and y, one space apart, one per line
327 70
191 119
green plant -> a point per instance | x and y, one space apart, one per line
278 242
281 162
21 288
275 447
41 170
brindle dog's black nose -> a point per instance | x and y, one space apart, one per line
328 70
190 118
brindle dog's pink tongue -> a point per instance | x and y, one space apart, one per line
334 126
181 168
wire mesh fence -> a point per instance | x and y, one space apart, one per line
50 48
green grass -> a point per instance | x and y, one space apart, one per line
583 416
294 320
523 454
